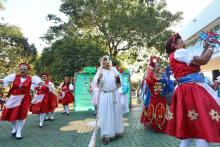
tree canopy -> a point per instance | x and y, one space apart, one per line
117 25
14 48
67 56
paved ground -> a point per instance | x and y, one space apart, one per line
75 130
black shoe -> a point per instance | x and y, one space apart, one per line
52 119
64 113
46 119
67 114
106 140
18 138
13 134
119 135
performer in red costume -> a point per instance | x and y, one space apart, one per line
154 102
66 94
195 108
45 100
16 108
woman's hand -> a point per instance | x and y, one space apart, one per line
205 57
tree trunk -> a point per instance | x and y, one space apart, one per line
115 53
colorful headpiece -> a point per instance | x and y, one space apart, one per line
28 66
153 61
174 38
45 73
119 69
171 42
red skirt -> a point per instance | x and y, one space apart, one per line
41 107
17 113
53 102
144 119
193 114
68 98
155 114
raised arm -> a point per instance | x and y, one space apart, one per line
7 80
204 58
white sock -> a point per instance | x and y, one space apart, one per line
20 124
46 116
202 143
51 115
14 127
64 108
42 115
67 109
186 142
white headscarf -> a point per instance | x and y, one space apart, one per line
109 61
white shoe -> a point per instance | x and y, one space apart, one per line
51 117
18 135
41 125
46 118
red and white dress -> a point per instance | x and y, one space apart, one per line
44 101
154 114
195 108
17 105
66 94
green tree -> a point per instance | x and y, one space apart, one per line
14 48
117 25
67 56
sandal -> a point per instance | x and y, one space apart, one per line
106 140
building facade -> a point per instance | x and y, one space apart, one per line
207 20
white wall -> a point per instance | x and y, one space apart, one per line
208 15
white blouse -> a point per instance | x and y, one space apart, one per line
183 55
10 79
71 87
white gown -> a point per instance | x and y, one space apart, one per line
110 109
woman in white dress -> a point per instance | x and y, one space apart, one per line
110 109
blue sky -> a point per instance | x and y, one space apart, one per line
30 15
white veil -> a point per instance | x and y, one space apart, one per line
100 70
